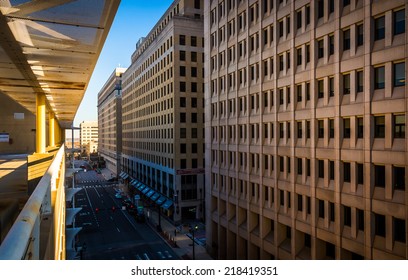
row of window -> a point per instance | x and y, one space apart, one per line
323 208
224 33
191 102
139 97
166 162
193 40
137 109
267 6
131 113
193 118
152 134
191 74
347 213
148 69
253 74
163 160
323 168
193 57
324 128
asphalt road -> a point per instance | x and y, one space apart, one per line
109 232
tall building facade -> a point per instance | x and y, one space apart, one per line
306 150
163 113
110 121
88 136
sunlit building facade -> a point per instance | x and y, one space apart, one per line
306 150
163 113
88 133
110 121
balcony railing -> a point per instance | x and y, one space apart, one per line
39 230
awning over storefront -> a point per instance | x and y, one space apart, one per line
121 174
155 196
167 204
150 193
161 200
141 187
125 177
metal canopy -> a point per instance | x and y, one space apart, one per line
51 47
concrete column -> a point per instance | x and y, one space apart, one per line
40 124
57 130
51 132
62 135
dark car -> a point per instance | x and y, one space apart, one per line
130 207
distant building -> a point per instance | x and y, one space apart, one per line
68 143
88 133
163 113
91 147
306 149
110 121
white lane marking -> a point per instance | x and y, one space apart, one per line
97 192
90 204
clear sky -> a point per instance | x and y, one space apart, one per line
134 19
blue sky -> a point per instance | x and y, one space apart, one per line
134 19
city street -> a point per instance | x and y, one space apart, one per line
109 232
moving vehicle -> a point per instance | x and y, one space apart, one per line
129 206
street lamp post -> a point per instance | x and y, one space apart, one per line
159 228
202 205
192 232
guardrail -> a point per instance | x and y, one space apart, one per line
39 230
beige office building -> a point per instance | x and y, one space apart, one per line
306 150
163 114
88 133
110 121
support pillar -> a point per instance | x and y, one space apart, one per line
62 137
40 124
57 129
52 130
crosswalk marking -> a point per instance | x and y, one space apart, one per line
160 254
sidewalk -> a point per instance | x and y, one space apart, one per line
177 238
106 173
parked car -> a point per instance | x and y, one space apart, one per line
118 195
